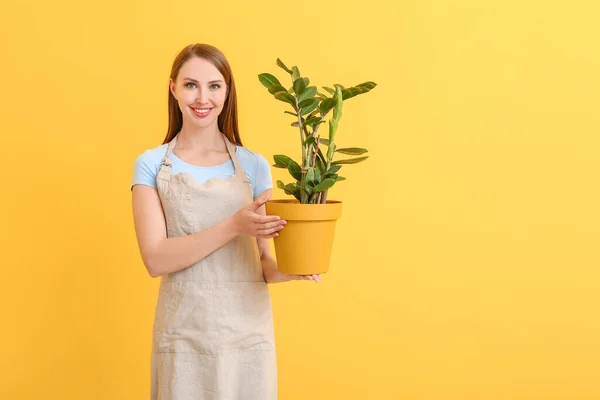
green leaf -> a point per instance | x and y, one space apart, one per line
337 111
295 73
366 86
314 121
333 169
286 97
321 164
351 92
358 89
332 146
327 105
310 176
329 90
288 189
297 125
281 161
325 185
333 122
299 86
282 65
353 151
325 141
307 102
318 176
291 113
340 178
297 192
310 140
268 80
310 108
350 161
308 93
295 169
277 88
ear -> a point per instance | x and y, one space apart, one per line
172 87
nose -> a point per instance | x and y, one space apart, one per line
202 96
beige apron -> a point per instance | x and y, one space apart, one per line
213 329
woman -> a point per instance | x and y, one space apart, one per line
198 207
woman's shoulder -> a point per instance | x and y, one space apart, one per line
152 156
248 156
255 165
147 165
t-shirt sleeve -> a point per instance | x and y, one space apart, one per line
144 171
262 177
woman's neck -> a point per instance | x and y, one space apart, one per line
200 139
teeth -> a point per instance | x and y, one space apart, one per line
201 111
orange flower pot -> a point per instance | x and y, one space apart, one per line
303 247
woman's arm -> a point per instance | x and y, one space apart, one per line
162 255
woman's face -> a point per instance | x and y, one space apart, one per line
201 92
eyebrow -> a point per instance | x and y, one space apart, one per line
195 81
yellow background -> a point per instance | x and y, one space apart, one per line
465 263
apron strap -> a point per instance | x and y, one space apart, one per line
165 166
236 162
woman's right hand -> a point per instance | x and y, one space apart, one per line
248 221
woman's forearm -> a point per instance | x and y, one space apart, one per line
177 253
272 274
269 267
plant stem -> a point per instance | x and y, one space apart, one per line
302 138
308 150
303 194
324 197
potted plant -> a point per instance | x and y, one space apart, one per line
304 246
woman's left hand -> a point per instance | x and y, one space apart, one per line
316 277
276 276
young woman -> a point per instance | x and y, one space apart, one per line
198 208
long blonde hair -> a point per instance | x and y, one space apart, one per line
228 119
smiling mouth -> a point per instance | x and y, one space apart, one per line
201 112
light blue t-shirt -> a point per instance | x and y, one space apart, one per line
255 166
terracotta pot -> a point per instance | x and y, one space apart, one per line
303 247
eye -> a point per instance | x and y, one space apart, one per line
187 85
215 85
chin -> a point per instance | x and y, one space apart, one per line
205 124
